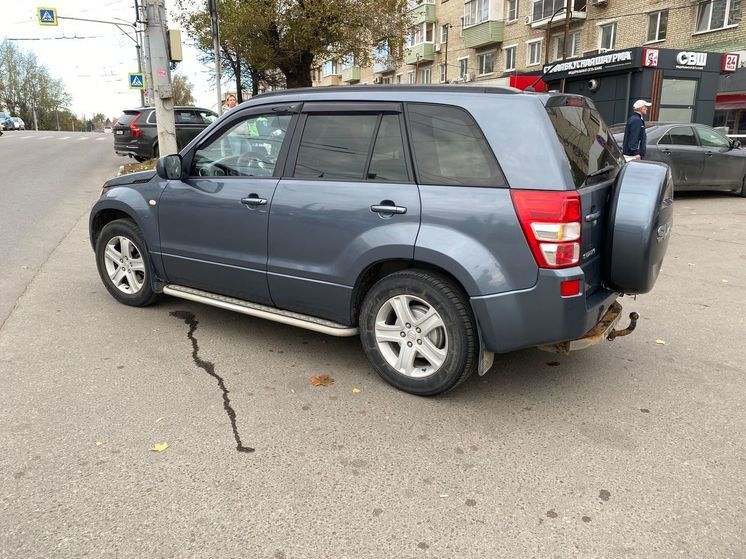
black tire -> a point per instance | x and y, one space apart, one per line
139 159
743 187
155 151
144 294
450 303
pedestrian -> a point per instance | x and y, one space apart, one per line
230 102
635 138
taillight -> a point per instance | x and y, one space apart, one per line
551 223
134 129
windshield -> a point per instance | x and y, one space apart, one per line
127 117
585 137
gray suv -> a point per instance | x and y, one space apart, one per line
441 224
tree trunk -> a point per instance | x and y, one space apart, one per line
254 81
298 71
239 87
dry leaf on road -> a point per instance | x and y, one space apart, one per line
99 443
159 420
159 447
322 380
660 342
356 391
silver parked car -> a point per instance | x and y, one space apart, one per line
700 157
18 123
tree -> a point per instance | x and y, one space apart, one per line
290 35
182 91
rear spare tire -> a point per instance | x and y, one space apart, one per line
641 217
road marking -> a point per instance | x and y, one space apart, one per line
64 138
83 138
101 139
26 137
43 137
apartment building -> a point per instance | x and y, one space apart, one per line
491 40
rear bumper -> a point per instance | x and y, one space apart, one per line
539 316
132 148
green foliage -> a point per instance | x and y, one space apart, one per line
293 35
182 91
25 84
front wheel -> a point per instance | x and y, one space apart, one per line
124 264
418 331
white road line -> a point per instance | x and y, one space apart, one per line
101 139
64 138
83 138
26 137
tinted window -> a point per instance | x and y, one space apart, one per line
712 139
449 148
187 117
249 149
335 146
208 117
588 144
388 162
682 136
127 117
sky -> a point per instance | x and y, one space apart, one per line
94 69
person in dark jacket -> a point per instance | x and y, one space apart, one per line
635 138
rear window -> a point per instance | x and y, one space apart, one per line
587 141
127 117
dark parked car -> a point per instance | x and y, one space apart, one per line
699 156
440 223
136 134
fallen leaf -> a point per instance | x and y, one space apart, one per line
159 447
99 443
356 391
660 342
159 420
443 496
725 281
322 380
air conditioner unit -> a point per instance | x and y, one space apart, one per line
600 2
377 79
528 20
437 47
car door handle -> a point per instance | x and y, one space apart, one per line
708 153
388 209
666 151
254 200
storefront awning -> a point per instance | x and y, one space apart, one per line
730 101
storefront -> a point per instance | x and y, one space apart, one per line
730 104
681 85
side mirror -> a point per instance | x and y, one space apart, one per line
169 167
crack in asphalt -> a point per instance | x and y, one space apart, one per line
209 367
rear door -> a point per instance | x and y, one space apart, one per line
188 124
723 166
347 200
595 161
680 149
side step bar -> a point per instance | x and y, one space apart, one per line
261 311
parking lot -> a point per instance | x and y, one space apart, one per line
629 449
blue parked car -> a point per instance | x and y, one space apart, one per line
441 224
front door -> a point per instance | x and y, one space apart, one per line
724 166
348 201
213 224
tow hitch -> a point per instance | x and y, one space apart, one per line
604 330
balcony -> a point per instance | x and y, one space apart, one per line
424 52
424 13
482 34
333 79
351 74
383 66
543 10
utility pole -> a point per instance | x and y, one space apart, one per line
160 75
138 46
567 33
212 6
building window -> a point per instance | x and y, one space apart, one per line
608 36
573 45
461 26
535 49
444 33
717 14
463 67
426 75
476 11
410 77
422 33
657 25
544 9
412 4
510 55
330 68
512 10
442 69
485 63
398 78
348 61
385 81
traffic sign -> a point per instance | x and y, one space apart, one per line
137 80
46 16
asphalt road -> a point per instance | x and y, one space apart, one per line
630 449
48 180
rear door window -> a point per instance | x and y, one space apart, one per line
585 137
450 149
126 117
335 146
388 162
187 117
680 136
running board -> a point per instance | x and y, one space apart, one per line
261 311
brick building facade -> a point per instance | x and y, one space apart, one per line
488 41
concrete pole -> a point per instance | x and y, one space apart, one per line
212 5
160 76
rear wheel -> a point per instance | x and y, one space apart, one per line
743 187
155 150
418 331
124 264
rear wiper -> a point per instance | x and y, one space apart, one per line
601 171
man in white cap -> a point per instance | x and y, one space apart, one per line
635 138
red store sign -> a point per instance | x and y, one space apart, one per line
730 62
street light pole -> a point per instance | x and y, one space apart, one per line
213 9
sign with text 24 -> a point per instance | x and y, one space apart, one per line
730 62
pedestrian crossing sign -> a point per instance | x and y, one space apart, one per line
47 16
137 81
